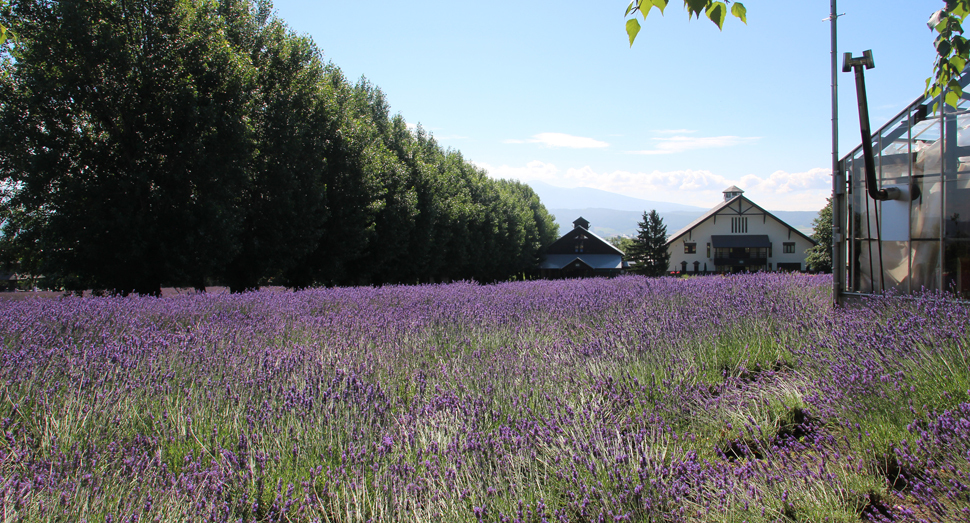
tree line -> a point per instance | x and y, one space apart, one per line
186 142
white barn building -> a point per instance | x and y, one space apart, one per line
737 236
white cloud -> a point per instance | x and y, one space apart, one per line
781 182
679 144
779 190
699 187
533 171
562 140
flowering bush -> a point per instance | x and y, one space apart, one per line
710 399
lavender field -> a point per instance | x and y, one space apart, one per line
708 399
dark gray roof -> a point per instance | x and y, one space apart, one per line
596 261
609 246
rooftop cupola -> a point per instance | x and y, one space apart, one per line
581 223
731 193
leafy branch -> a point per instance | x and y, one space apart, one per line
713 10
952 48
953 51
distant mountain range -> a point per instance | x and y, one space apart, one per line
612 214
588 198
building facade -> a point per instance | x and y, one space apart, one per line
579 254
737 236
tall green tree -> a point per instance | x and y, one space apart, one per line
126 139
355 164
819 257
623 243
283 203
649 249
174 142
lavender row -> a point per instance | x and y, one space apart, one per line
743 398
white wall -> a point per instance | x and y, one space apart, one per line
758 223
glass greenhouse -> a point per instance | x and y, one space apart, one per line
920 240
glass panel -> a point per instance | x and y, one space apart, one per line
956 275
925 211
895 265
893 150
963 142
957 209
927 146
926 265
927 131
862 267
864 216
863 211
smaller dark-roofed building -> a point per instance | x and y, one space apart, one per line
8 281
579 253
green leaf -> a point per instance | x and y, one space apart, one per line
952 99
961 45
943 47
3 35
629 8
739 11
661 4
958 62
717 12
632 28
645 8
696 7
960 11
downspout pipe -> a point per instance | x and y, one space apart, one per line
860 64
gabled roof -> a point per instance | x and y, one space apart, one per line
719 207
594 261
566 237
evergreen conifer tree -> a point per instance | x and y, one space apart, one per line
649 251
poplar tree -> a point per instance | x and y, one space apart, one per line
126 142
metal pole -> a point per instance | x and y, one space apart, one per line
838 265
833 20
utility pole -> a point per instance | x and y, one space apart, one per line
838 180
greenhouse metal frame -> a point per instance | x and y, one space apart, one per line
920 241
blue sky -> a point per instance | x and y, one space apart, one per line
552 91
